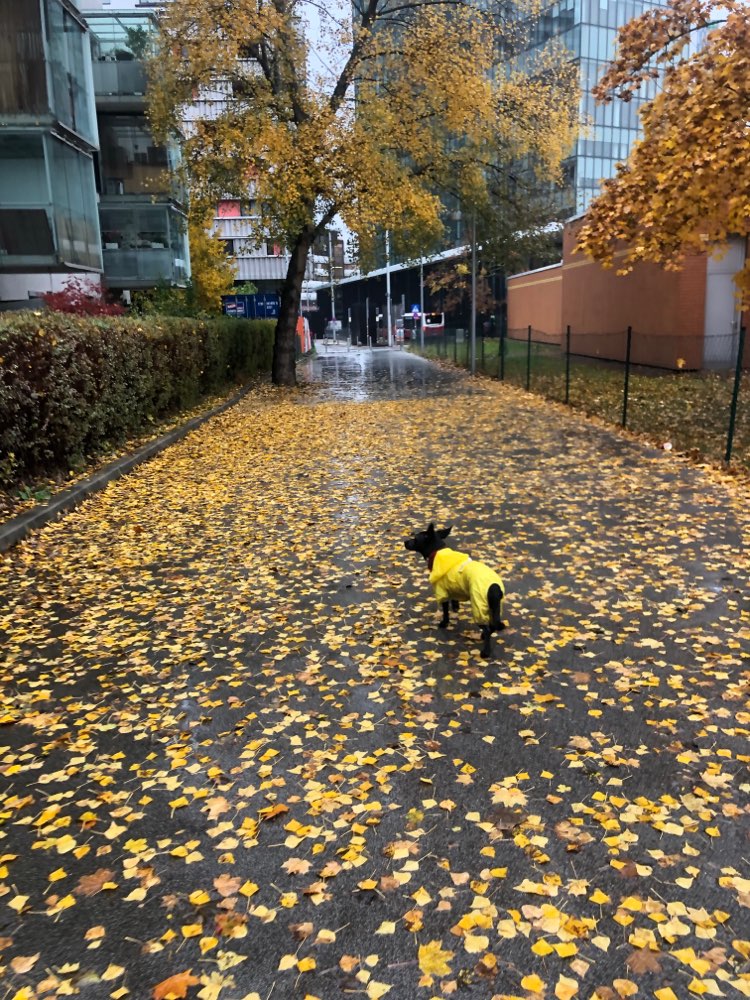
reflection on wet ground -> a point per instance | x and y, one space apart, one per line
360 374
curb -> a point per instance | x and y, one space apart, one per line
17 528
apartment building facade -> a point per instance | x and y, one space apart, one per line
141 208
49 222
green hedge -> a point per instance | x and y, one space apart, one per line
72 386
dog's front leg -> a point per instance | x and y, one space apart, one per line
455 606
445 620
486 650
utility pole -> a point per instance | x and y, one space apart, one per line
474 293
421 303
330 280
388 287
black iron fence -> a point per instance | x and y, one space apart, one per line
684 392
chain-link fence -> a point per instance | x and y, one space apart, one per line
683 392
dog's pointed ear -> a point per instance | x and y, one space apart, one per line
431 529
444 532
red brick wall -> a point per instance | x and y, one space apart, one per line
664 308
535 299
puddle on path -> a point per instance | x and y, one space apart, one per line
360 374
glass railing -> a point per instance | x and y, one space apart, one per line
143 266
119 79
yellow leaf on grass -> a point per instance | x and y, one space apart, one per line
191 930
199 897
249 889
306 964
287 962
665 994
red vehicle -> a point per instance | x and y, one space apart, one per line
434 324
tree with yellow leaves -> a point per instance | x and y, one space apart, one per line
687 182
415 101
212 272
452 282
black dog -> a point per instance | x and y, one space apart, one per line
456 577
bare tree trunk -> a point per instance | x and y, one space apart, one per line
283 371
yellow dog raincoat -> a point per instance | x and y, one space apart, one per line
456 577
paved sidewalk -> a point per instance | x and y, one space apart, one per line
239 760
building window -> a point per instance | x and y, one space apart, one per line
68 49
136 228
131 162
23 81
229 209
121 38
75 209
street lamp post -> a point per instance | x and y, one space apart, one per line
421 303
474 293
388 286
330 281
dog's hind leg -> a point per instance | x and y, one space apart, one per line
455 606
495 601
445 620
486 650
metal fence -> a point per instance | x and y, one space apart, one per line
684 392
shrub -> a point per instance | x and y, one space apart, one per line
71 386
82 299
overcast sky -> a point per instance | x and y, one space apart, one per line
322 21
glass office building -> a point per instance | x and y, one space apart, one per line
48 138
588 30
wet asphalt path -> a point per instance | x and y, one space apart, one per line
237 751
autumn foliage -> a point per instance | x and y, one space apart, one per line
415 116
687 183
70 387
452 283
82 299
212 270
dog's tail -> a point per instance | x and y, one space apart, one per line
495 601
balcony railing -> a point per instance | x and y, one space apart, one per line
143 267
120 79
